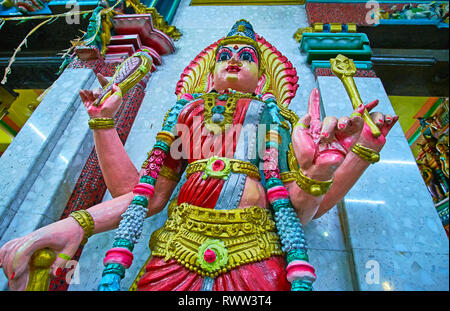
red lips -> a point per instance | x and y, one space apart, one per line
233 68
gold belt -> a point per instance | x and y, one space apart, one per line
218 167
210 242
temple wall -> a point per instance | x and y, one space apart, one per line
391 221
41 166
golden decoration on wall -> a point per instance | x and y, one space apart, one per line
318 27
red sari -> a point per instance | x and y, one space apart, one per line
267 275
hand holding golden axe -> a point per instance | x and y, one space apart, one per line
344 68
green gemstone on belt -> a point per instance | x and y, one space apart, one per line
217 167
221 255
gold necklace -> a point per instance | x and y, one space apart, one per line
215 117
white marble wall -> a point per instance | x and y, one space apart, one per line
40 168
392 221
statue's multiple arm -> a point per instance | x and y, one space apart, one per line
353 166
315 145
118 171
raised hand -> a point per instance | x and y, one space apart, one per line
109 106
321 146
61 237
384 123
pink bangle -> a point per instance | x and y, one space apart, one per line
278 192
119 255
299 269
144 189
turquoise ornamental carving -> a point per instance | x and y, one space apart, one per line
323 46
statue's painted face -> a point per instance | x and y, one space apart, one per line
236 68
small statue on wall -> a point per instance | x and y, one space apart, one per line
429 158
241 175
442 147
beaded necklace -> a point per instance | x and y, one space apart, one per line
300 273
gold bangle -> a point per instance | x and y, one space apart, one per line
169 173
166 137
312 186
366 154
101 123
86 222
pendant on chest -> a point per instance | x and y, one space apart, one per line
218 117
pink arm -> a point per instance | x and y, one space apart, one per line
353 166
64 236
119 172
305 204
344 178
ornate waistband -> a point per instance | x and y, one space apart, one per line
211 242
218 167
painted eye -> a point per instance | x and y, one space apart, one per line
223 56
247 56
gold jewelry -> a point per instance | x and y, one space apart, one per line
230 107
354 114
40 263
237 237
101 123
366 154
86 222
169 173
166 137
312 186
309 185
234 165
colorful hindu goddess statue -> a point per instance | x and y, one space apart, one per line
239 172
